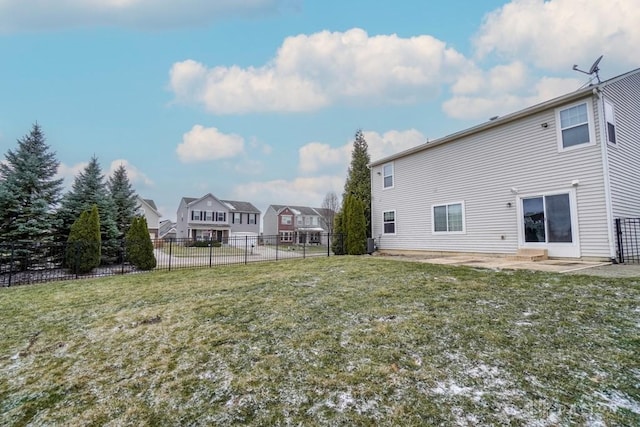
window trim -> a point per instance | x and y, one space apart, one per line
590 125
392 175
395 222
433 218
289 217
607 103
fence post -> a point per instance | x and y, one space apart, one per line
122 255
170 251
304 247
277 241
246 249
210 251
11 264
619 241
328 244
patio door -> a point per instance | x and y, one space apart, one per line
548 221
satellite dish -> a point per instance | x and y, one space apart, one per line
593 70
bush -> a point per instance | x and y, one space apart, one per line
138 245
83 245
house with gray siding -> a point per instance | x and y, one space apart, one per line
551 177
210 218
148 209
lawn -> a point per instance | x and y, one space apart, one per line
323 341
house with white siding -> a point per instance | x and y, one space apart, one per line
210 218
148 209
551 177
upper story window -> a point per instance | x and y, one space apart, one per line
389 222
611 122
221 216
387 175
285 219
253 218
209 216
307 220
237 218
195 215
314 220
575 126
299 220
448 218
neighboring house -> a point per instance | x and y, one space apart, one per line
295 224
211 218
167 230
148 209
550 177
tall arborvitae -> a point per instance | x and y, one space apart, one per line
84 245
139 246
124 199
89 188
337 242
358 182
356 238
28 190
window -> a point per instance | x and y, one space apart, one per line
299 220
611 122
574 129
387 175
389 222
221 216
195 215
237 218
307 220
286 236
253 218
209 216
285 220
314 220
448 218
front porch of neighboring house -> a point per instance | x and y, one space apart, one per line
302 237
217 234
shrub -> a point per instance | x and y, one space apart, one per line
83 245
138 245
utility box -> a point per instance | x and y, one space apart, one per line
371 245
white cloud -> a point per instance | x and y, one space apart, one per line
314 71
25 15
317 156
133 173
202 144
556 34
309 191
69 172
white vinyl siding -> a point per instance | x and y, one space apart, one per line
482 169
624 157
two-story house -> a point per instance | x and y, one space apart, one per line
296 224
551 177
210 218
148 209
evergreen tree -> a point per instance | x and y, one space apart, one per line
356 238
84 245
337 243
89 188
358 181
124 200
139 247
28 190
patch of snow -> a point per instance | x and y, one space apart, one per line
617 400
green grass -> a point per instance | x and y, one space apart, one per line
322 341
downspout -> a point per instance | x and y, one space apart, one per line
605 171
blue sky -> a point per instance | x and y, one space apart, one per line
259 100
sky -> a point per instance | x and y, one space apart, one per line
259 100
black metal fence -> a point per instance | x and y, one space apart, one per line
29 262
628 239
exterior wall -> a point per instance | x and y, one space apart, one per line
244 227
480 171
624 156
185 225
270 222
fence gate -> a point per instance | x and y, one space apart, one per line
628 238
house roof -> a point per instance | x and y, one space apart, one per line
552 103
151 204
233 205
298 210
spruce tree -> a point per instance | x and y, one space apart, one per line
124 200
139 247
29 190
358 182
84 245
89 188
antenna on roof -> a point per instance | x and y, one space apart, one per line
593 70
